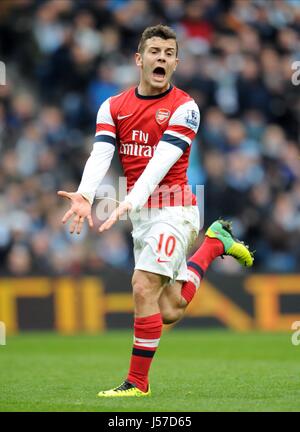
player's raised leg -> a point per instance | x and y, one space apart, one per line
219 240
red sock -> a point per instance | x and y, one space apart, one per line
147 332
198 264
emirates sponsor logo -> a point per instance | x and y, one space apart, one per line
134 149
162 115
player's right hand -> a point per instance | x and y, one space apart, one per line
80 209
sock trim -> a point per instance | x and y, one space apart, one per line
142 353
196 267
146 319
195 279
148 343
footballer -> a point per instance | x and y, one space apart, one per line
152 127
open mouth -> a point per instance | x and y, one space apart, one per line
159 73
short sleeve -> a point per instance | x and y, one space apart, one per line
105 126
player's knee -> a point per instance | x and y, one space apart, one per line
146 287
142 293
171 316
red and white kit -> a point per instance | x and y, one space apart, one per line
153 136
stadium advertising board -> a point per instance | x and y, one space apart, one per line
94 304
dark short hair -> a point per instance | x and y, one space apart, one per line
161 31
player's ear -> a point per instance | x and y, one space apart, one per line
177 61
138 59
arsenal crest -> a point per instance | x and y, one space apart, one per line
162 115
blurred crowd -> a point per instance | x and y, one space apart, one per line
64 58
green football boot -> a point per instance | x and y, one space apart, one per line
126 389
222 230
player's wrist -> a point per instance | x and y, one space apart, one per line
88 197
128 200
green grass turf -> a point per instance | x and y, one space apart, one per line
194 370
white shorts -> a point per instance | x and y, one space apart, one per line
162 241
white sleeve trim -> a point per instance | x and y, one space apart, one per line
104 132
95 169
104 114
165 156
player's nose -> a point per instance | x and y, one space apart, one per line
162 57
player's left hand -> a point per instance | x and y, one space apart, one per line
116 214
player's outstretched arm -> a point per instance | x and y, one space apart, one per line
94 171
79 210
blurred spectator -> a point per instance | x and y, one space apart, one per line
102 87
19 261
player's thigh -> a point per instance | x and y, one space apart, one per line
148 282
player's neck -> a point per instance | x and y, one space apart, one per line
145 89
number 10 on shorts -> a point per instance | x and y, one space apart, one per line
166 244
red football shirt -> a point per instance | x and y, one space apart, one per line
135 124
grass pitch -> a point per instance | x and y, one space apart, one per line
193 370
